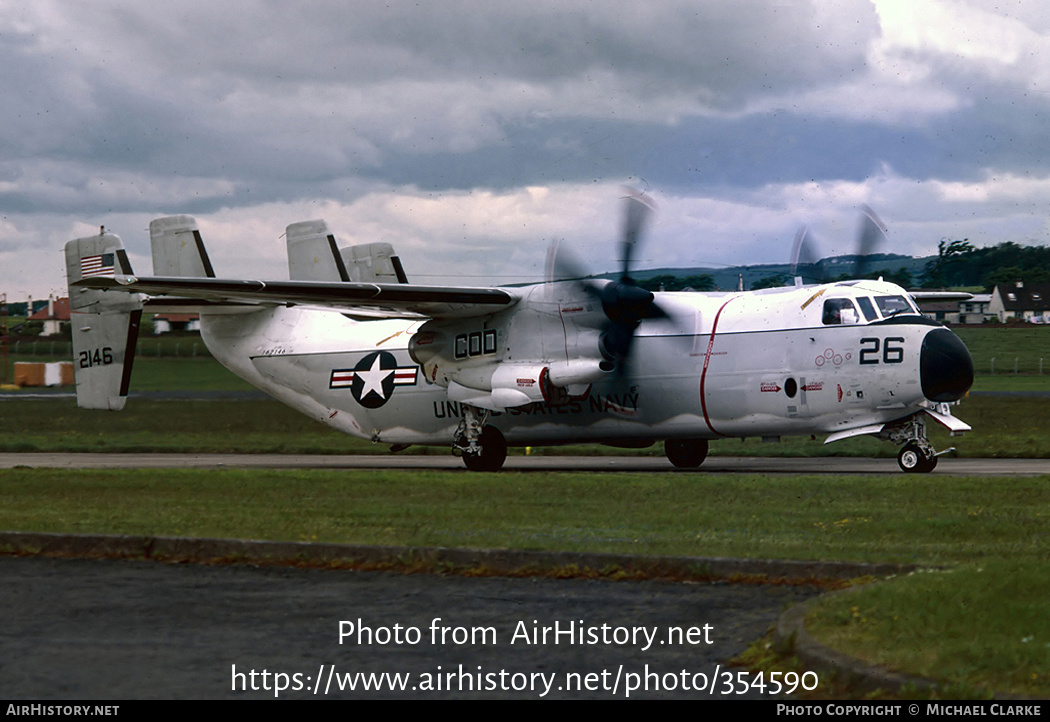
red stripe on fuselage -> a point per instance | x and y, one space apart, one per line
707 360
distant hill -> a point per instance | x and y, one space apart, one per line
726 278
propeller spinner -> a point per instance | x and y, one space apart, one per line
624 303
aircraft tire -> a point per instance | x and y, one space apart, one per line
913 460
686 453
493 451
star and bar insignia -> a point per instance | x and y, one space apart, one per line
373 379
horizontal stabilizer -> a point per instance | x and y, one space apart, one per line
322 276
379 300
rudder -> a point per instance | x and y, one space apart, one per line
105 325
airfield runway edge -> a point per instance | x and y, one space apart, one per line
495 562
790 637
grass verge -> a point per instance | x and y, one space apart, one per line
980 627
891 518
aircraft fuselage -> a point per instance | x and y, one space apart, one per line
766 363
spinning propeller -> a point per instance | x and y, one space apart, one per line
804 254
625 303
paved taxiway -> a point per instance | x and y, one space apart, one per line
714 464
77 629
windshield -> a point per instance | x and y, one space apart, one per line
890 305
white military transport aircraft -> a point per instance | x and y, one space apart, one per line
349 342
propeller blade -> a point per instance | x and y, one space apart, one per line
805 258
552 259
624 303
872 234
638 207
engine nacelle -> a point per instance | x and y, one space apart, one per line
502 386
500 365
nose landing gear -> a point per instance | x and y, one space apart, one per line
918 456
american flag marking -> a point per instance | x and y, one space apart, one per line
100 265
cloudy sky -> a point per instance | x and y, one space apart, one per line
470 133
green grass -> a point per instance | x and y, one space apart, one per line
981 627
177 425
60 348
167 373
895 518
1023 345
1013 383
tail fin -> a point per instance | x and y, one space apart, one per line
178 249
312 253
105 324
314 256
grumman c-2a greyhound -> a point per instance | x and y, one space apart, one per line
349 342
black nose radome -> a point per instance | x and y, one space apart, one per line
945 366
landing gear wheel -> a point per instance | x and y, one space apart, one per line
914 460
686 453
493 451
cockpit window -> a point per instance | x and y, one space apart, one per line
890 305
839 311
867 308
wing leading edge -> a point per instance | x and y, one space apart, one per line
378 300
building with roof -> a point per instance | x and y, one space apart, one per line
976 309
53 316
1028 302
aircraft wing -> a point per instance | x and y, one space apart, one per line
940 295
373 300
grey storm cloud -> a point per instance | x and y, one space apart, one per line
747 117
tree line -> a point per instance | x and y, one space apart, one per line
958 263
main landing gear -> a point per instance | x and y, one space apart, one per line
917 456
482 447
686 453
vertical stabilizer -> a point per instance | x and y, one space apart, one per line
312 253
374 263
178 249
105 324
314 256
